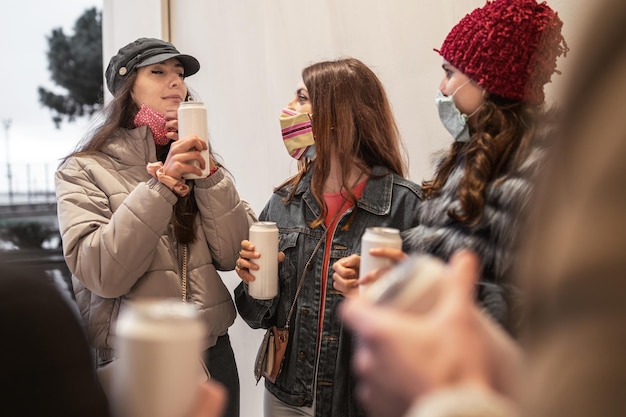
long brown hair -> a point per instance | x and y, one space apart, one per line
120 113
352 117
502 133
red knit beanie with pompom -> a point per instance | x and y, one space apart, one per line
508 47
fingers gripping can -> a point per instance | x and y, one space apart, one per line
159 345
377 237
192 120
264 236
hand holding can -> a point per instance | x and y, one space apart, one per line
377 237
264 236
412 285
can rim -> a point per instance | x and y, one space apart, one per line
191 103
264 224
383 229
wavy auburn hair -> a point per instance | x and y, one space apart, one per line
352 119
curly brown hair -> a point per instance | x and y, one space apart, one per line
500 138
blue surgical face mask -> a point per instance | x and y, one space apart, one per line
453 120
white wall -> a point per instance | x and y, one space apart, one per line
252 53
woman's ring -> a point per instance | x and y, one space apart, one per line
237 264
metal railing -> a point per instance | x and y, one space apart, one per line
26 183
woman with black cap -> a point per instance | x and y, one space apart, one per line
133 227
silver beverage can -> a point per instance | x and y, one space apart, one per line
192 120
411 285
377 237
159 365
264 236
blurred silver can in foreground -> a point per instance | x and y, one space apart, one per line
377 237
158 370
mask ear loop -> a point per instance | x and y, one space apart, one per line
311 120
451 97
484 94
475 111
461 86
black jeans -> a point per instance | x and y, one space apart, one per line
220 360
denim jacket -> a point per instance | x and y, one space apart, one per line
387 200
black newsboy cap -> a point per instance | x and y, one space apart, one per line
143 52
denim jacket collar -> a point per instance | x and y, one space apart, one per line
376 197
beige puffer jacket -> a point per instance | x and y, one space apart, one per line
118 242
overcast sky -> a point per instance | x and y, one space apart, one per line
33 138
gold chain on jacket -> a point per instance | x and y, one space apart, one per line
183 283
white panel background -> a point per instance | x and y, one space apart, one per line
252 53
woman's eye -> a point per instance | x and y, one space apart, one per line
302 99
157 72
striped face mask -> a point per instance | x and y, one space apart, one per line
297 134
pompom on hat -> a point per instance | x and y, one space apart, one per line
143 52
508 47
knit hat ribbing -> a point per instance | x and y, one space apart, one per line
508 47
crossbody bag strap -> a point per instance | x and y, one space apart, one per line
308 264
